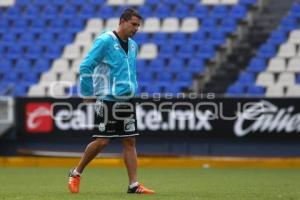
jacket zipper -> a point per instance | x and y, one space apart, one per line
128 67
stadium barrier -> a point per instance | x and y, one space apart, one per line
209 127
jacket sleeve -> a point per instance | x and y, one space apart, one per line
93 59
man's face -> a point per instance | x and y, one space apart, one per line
131 26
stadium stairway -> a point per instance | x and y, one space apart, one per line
265 21
274 71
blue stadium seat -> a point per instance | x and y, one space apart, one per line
257 65
186 52
176 65
190 2
254 90
30 77
86 12
298 79
20 90
68 12
217 38
220 12
228 25
50 13
19 26
145 11
238 12
181 11
288 23
75 25
23 65
46 38
200 11
60 2
141 38
41 65
65 38
4 25
162 11
27 39
248 2
236 90
295 10
206 51
156 65
52 52
40 3
57 26
32 12
14 13
277 37
106 12
11 77
78 2
96 2
178 39
169 2
197 38
246 78
152 2
8 39
38 26
5 65
185 77
34 52
160 38
267 51
145 77
14 52
23 2
209 25
196 65
141 64
164 77
167 51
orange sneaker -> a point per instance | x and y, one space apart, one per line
140 189
74 182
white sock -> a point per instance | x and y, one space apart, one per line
132 185
76 173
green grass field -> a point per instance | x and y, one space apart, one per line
170 184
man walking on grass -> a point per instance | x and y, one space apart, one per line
108 72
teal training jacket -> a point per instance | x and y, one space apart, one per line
107 72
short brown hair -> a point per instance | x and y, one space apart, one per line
128 13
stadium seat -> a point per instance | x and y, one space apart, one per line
294 65
246 78
181 11
94 25
265 79
159 38
257 65
189 25
287 50
254 90
236 90
151 25
170 25
135 2
148 51
162 11
276 65
267 51
286 79
275 91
